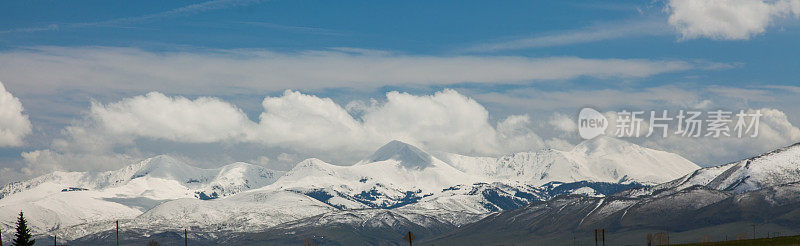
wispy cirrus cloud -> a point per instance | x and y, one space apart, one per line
232 71
595 33
181 11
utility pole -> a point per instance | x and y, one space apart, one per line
600 235
185 237
55 240
117 232
595 237
410 238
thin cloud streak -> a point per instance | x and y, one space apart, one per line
589 34
182 11
242 71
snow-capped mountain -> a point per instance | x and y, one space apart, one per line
63 199
758 190
774 168
398 182
395 175
602 159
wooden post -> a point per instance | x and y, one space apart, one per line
185 237
603 231
117 232
55 240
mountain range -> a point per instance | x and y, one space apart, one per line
713 203
443 197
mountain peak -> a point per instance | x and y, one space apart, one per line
163 166
163 161
408 155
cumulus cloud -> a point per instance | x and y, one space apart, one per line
295 125
14 125
728 19
178 119
562 122
303 124
774 131
517 134
445 120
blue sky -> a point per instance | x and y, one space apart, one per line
414 27
68 61
443 28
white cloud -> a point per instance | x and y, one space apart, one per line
445 120
178 119
14 125
304 122
559 144
775 131
516 134
261 160
106 70
602 99
181 11
728 19
286 157
563 123
297 123
40 162
777 126
595 33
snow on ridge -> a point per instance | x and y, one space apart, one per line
65 199
778 167
603 159
161 166
395 176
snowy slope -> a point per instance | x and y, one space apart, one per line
253 210
63 199
774 168
399 182
602 159
397 174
